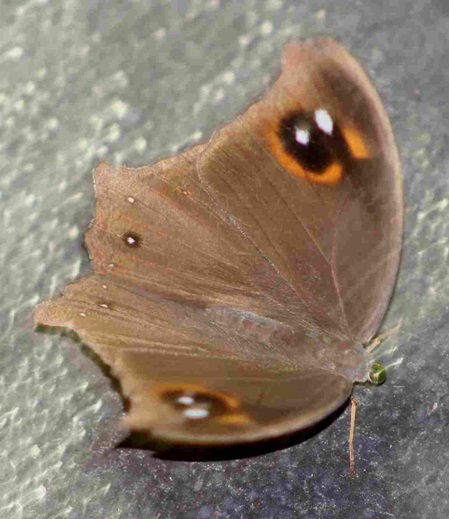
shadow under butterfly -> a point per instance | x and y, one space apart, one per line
236 285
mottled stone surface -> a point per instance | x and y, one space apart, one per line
128 82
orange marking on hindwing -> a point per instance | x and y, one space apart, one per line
228 400
231 411
235 419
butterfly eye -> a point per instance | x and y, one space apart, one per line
377 374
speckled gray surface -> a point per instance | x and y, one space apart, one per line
129 82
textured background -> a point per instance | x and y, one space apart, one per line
129 82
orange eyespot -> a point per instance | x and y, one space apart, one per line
355 142
331 175
194 403
198 391
311 144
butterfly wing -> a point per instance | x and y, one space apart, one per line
311 174
184 387
186 310
224 296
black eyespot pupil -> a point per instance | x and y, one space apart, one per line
309 144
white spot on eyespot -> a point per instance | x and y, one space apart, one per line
130 240
302 136
196 412
131 200
324 121
82 314
104 287
186 400
266 28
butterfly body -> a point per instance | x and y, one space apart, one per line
235 285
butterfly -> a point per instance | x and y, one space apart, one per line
236 285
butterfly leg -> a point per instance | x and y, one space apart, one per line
354 404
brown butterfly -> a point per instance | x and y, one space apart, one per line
236 284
